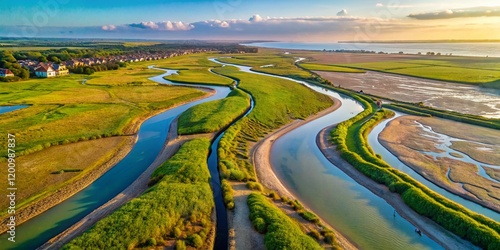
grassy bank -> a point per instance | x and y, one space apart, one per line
330 68
212 116
177 207
476 228
280 231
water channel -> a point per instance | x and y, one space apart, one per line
151 137
359 214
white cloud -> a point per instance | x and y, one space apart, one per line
256 18
342 13
447 14
165 25
108 27
379 5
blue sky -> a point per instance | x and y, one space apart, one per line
292 20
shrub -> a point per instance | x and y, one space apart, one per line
195 240
260 225
180 245
255 186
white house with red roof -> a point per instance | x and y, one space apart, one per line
44 71
6 72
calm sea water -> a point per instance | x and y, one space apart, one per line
462 49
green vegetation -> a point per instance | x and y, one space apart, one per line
178 206
271 63
212 116
64 111
288 100
280 231
195 69
476 228
450 115
454 69
330 68
405 110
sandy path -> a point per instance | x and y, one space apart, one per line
428 227
244 235
172 145
261 159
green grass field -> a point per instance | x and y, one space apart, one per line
274 63
212 116
468 70
329 68
62 110
177 207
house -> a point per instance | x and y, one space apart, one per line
60 69
44 71
6 73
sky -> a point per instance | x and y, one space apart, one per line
278 20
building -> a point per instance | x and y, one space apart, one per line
44 71
6 73
60 69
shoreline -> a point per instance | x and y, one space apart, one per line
260 155
440 235
43 204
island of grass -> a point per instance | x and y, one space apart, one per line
174 211
195 69
212 116
69 125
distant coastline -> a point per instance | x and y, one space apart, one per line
426 41
477 49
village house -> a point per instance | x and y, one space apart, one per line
60 69
44 71
6 73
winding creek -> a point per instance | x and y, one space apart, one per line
150 140
363 217
396 163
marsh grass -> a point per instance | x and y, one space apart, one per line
177 207
212 116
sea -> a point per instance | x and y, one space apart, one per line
460 49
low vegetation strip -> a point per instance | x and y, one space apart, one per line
212 116
330 68
450 115
476 228
405 110
198 76
280 231
460 70
177 207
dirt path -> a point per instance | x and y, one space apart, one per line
428 227
242 235
172 145
261 159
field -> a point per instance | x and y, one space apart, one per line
176 208
195 69
63 110
275 63
470 70
329 68
43 172
212 116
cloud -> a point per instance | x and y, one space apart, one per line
162 26
256 18
108 27
461 13
379 5
342 13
